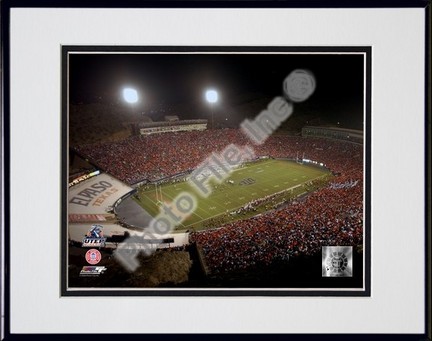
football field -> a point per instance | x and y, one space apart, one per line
244 185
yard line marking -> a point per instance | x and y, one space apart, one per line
198 216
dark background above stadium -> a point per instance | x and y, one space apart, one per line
174 84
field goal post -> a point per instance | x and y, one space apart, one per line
299 161
159 194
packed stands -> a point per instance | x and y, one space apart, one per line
332 215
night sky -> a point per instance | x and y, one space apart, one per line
171 81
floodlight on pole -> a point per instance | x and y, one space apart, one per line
211 97
130 95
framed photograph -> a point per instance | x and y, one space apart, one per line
250 171
257 162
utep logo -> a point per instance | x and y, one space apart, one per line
337 261
94 237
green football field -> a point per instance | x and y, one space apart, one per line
251 182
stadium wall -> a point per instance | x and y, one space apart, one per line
334 133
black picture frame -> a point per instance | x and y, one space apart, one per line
7 6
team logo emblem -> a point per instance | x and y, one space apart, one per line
94 237
337 261
93 256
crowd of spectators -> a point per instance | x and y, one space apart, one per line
325 217
332 215
161 155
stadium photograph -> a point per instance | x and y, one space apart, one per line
216 171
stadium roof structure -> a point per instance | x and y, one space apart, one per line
170 123
172 118
353 132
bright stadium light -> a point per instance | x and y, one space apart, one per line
130 95
211 96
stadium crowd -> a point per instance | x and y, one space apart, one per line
162 155
332 215
326 217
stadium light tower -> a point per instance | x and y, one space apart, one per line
130 96
211 97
